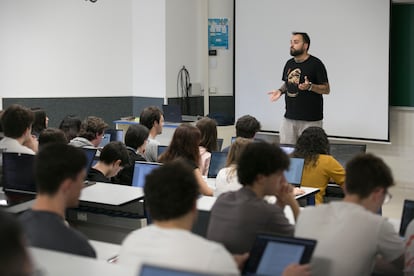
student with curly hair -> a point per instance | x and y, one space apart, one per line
320 167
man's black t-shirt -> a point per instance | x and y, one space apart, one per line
302 104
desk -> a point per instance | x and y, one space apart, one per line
309 195
51 263
104 250
108 212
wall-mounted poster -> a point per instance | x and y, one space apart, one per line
218 33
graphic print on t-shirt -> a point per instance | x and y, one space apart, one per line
293 82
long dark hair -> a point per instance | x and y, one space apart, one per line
184 144
312 142
208 130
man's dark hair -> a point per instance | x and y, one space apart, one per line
56 162
305 37
14 258
92 126
260 158
52 135
15 120
136 136
247 126
150 115
171 190
114 151
70 125
365 173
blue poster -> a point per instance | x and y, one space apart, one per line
218 33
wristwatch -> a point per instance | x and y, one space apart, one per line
310 86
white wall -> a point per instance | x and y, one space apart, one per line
184 42
53 48
148 48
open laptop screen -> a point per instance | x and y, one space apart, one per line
217 162
141 169
18 172
407 215
105 140
271 254
90 155
294 173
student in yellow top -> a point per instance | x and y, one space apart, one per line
320 167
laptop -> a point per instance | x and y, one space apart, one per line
105 140
271 254
18 173
172 113
294 173
407 215
151 270
345 152
217 162
219 143
141 170
90 156
161 149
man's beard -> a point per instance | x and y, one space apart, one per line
294 52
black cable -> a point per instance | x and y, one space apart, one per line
183 86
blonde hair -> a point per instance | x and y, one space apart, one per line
235 152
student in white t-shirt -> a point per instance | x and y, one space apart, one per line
153 118
171 193
351 236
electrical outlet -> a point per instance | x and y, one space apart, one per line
212 90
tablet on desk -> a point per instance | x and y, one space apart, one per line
151 270
271 254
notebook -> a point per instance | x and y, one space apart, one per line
151 270
172 113
407 215
294 173
18 173
271 254
217 162
141 169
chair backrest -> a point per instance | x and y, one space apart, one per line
217 162
18 172
345 152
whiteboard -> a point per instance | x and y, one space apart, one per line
351 37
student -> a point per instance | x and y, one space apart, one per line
208 143
14 258
153 118
351 235
168 241
136 139
41 121
91 133
184 144
237 217
227 179
70 125
17 127
246 127
59 173
113 158
51 135
320 167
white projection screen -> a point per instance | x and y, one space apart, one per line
351 37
